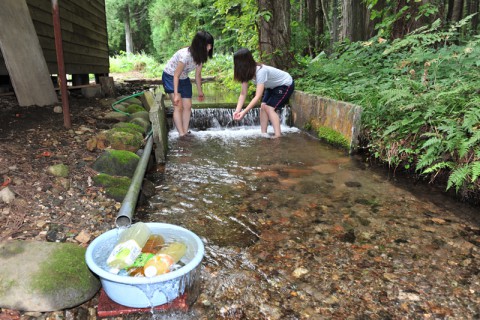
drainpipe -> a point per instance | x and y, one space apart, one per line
124 216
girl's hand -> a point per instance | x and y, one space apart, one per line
201 96
238 115
177 98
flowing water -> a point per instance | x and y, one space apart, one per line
296 229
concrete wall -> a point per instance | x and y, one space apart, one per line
316 111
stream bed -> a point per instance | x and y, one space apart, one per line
296 229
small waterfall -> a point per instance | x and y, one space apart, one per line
203 119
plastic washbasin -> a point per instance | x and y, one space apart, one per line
143 292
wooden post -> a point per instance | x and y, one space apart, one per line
61 65
108 87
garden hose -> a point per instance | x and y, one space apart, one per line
123 99
126 113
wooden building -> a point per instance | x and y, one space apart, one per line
83 31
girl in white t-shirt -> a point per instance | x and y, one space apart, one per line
275 85
177 83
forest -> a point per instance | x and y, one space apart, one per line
413 66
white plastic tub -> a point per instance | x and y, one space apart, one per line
142 292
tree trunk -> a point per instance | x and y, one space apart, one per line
471 9
457 10
450 11
128 31
310 23
274 33
354 23
319 25
335 22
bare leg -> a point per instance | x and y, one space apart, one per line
186 114
274 120
177 117
263 118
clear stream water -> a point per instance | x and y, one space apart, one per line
296 229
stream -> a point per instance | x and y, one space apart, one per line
297 229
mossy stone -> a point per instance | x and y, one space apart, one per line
59 170
117 163
115 187
120 107
142 122
117 193
117 116
44 276
141 114
131 109
129 127
133 100
119 139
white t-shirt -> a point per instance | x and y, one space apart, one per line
182 55
272 77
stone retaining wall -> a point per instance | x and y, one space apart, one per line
312 111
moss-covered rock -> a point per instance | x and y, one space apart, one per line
117 163
120 139
44 276
133 100
129 127
116 187
117 193
120 107
131 109
141 114
117 116
143 123
58 170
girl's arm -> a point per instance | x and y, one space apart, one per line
258 97
238 114
198 81
176 80
242 97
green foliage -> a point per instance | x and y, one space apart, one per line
125 62
139 24
238 22
390 12
220 67
420 99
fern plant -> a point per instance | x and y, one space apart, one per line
420 99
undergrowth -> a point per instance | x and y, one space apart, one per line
420 97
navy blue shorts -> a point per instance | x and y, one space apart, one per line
184 85
278 96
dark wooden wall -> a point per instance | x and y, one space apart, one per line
84 35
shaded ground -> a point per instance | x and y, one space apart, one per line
48 209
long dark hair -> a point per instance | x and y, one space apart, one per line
199 45
244 66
